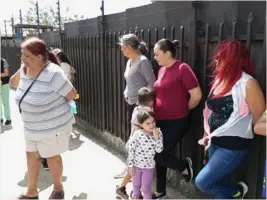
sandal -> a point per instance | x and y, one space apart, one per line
22 196
57 194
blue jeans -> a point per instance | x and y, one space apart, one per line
214 178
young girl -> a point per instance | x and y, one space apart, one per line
145 101
143 146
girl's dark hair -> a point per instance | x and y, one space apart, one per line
143 115
168 45
133 41
63 58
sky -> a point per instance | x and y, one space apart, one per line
91 10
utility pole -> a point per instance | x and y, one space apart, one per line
21 21
38 20
103 21
59 22
13 29
5 31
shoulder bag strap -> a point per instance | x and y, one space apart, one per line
28 89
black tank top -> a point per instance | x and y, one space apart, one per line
222 109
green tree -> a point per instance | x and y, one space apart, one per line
48 16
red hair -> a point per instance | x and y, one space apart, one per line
38 47
233 58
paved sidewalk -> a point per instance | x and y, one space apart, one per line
88 166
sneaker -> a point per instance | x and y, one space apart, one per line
156 195
188 164
242 190
8 122
45 165
57 194
121 192
131 195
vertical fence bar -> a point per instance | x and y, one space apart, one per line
106 67
81 58
88 89
71 51
205 64
173 33
221 29
120 89
249 31
115 86
98 86
85 90
95 83
234 27
89 78
136 32
110 83
77 55
164 30
102 78
91 81
181 43
142 34
149 44
192 48
156 35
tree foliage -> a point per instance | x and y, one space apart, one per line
48 15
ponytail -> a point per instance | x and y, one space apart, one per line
52 57
142 48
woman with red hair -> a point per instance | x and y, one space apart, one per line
234 105
42 95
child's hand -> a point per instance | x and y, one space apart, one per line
131 171
156 132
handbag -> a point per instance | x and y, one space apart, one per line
28 89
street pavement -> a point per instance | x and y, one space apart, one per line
89 167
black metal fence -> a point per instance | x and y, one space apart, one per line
100 82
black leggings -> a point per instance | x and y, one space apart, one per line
173 132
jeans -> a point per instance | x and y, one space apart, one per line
4 102
173 131
142 180
214 178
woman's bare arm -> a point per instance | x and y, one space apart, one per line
255 99
14 80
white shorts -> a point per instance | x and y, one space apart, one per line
49 144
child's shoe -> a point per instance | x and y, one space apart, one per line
121 192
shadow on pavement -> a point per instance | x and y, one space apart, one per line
45 180
5 128
81 196
75 141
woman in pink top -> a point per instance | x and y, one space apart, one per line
176 81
